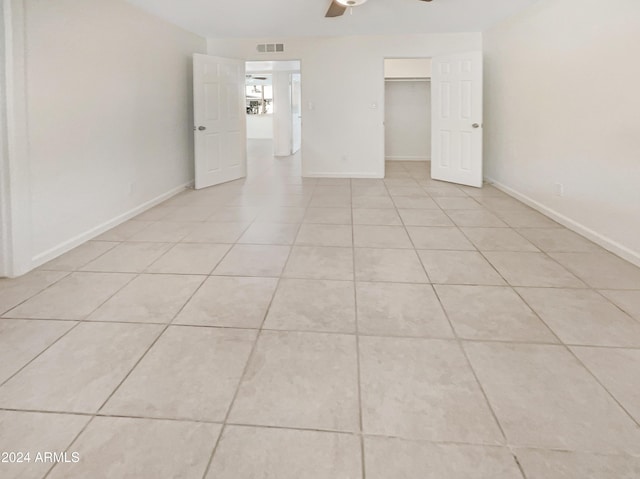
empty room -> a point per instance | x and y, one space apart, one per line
330 239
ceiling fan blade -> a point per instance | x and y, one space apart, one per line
335 10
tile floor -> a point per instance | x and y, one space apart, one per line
279 327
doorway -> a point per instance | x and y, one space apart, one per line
407 113
274 115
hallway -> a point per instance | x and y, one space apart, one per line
288 327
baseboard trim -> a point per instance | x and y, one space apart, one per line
76 241
345 174
598 238
407 158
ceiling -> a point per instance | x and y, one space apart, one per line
292 18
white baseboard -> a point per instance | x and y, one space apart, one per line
407 158
68 245
598 238
345 174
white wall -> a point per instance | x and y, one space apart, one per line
260 127
407 120
343 83
109 95
407 68
4 156
562 106
282 123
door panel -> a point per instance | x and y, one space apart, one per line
457 119
219 113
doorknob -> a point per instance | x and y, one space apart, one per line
202 128
476 125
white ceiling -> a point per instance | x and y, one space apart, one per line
291 18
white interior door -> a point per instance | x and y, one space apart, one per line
456 84
296 112
220 123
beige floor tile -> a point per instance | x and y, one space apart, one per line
335 187
544 398
22 340
619 370
285 454
459 267
498 239
558 240
253 260
141 448
229 302
325 235
541 464
14 291
301 380
532 269
370 190
156 213
503 203
313 305
327 201
394 309
372 202
439 191
78 257
601 270
33 433
392 265
318 262
476 219
149 298
628 301
415 202
366 236
406 191
414 217
438 238
376 216
190 373
74 297
328 216
80 371
224 232
487 190
191 212
492 313
190 258
128 258
164 232
270 233
392 458
124 231
580 316
523 217
234 214
422 389
457 203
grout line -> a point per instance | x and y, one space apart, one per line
79 321
248 362
357 341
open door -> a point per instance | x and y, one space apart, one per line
456 84
220 123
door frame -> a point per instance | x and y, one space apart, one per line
15 194
270 58
384 106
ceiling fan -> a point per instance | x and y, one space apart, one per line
338 7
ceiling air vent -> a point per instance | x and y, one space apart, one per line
270 47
